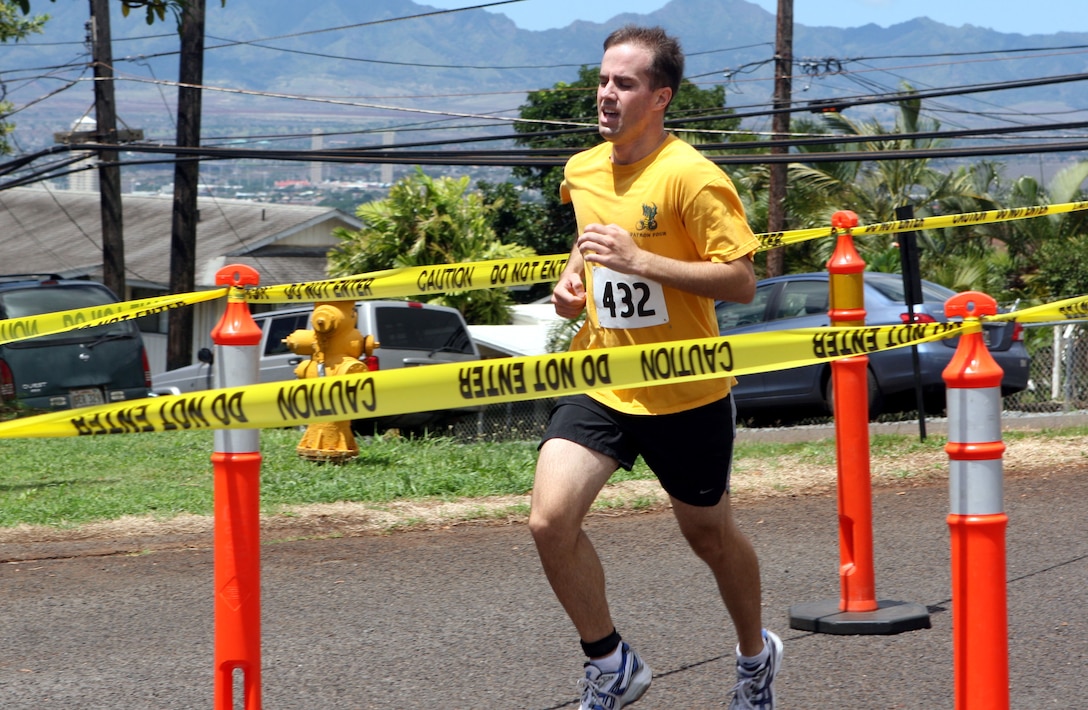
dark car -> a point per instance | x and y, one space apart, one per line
802 301
77 368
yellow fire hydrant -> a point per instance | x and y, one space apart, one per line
334 346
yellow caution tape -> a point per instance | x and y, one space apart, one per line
773 240
418 280
76 318
458 385
1069 309
970 218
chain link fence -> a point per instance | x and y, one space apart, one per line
1059 369
513 421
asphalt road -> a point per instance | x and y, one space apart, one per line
462 618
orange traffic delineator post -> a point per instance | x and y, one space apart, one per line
857 611
977 520
236 464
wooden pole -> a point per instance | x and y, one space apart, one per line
179 345
109 173
780 126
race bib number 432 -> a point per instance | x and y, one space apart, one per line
626 301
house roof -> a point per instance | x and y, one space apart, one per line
60 231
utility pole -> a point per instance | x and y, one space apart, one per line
179 339
780 126
109 172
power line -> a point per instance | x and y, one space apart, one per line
848 102
840 103
525 155
851 101
478 94
558 156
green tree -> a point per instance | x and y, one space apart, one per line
1020 259
429 221
551 119
14 26
14 23
516 221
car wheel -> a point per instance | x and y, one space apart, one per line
873 392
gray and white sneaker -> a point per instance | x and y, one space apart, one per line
755 686
614 690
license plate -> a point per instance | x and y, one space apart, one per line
86 397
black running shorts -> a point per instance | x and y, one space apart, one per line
690 452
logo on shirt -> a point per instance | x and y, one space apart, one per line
649 218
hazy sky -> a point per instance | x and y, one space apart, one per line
1053 15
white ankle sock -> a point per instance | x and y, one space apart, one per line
611 662
757 660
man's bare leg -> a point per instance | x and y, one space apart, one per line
716 539
568 478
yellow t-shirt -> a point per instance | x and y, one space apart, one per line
675 203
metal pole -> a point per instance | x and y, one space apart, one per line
912 288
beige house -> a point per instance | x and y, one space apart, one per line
53 231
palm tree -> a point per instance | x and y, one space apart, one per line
1049 250
1027 259
961 258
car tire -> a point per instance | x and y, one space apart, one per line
873 391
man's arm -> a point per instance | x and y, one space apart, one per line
569 294
612 246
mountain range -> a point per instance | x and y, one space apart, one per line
263 56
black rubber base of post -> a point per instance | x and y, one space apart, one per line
890 617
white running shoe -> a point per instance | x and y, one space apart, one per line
612 691
755 686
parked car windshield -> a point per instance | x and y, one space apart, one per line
24 302
415 329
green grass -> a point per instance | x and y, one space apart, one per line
822 453
66 482
70 481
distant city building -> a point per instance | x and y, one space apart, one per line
388 139
317 142
84 180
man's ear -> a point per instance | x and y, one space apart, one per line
664 96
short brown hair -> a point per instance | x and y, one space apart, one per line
667 65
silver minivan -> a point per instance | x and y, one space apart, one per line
409 334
